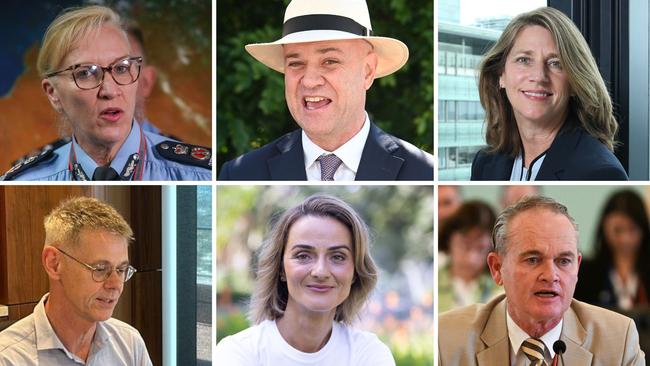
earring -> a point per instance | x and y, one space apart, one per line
283 278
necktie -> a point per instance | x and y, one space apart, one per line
328 165
105 173
535 350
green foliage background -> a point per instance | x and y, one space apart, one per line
251 109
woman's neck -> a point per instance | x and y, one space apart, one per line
306 332
536 138
624 266
102 154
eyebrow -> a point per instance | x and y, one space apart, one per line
531 52
528 253
320 50
329 249
105 262
110 63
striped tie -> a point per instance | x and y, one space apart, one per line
328 165
535 350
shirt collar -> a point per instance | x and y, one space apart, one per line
518 336
46 338
350 152
130 146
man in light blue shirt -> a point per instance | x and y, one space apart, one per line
86 259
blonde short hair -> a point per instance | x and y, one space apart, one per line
64 223
591 104
67 29
270 296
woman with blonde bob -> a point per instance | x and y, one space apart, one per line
90 77
548 113
314 275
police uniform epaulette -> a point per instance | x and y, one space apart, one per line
185 153
26 164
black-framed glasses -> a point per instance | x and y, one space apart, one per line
90 76
101 273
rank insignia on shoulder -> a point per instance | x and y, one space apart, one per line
26 164
185 153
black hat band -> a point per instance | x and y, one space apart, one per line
324 22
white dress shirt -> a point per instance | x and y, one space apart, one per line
517 336
349 153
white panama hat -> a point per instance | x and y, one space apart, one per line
327 20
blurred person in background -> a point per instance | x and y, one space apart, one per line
90 77
466 238
148 76
618 276
449 199
315 273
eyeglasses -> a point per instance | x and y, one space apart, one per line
89 76
101 273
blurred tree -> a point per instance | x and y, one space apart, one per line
251 109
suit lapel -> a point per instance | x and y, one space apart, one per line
377 160
290 163
564 144
574 335
495 338
499 168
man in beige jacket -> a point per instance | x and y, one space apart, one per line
536 259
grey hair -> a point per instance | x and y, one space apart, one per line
500 231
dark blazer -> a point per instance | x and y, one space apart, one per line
596 287
573 155
384 157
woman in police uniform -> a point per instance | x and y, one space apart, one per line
90 78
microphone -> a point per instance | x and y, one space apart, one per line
559 347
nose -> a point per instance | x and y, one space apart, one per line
549 272
115 280
312 77
539 72
320 268
109 89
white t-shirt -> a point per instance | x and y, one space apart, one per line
262 345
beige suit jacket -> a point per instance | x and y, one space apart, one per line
477 335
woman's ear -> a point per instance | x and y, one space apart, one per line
52 94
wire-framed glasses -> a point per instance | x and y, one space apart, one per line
101 273
89 76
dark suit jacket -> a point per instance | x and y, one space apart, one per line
384 157
573 155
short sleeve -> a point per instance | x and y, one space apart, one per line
231 352
374 353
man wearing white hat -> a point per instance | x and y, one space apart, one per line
330 59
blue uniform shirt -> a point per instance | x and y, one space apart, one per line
56 166
149 127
